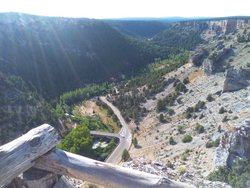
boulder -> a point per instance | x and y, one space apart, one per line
39 178
63 183
236 79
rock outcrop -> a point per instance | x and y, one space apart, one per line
229 25
236 79
240 143
198 57
40 180
208 66
234 145
215 62
34 178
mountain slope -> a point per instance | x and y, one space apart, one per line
202 103
138 28
21 108
181 36
59 54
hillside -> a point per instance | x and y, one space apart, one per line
203 105
182 88
138 28
181 36
61 54
21 108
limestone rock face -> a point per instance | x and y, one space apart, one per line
240 143
208 66
236 79
216 61
234 145
222 152
229 25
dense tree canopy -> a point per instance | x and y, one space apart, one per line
78 141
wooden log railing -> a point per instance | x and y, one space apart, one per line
35 149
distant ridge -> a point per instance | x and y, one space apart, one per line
162 19
218 18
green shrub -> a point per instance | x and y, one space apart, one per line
201 116
172 141
217 142
186 80
225 119
187 138
235 117
184 157
220 175
222 110
199 105
238 176
209 144
171 111
179 100
161 118
134 141
180 87
190 110
188 115
125 155
210 98
199 128
161 106
182 170
180 129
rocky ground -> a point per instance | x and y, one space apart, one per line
161 169
194 157
223 74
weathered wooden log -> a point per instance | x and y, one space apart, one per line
64 163
19 155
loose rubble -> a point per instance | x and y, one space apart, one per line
159 168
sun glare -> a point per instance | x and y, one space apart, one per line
128 8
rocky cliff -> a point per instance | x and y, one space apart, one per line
236 79
234 145
218 26
228 25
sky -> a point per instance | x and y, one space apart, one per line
128 8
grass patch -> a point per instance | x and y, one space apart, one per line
106 123
106 119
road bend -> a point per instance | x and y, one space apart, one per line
124 135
